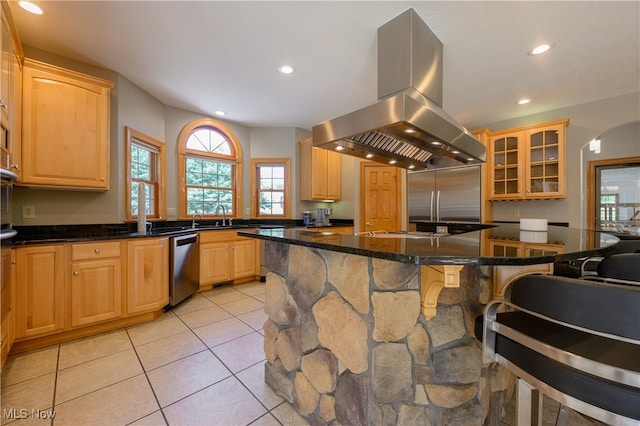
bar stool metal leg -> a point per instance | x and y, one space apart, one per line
529 405
563 415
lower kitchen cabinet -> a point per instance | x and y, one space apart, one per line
215 262
40 293
499 247
225 256
147 274
79 289
96 283
244 258
7 299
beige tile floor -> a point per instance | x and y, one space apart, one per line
200 364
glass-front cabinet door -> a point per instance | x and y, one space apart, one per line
528 163
545 163
506 160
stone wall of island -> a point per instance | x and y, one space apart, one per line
345 342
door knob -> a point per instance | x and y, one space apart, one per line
369 224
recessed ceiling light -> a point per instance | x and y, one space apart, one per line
436 143
455 151
220 113
286 69
539 50
409 131
339 148
30 7
412 166
524 101
393 162
369 155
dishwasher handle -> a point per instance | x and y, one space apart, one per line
185 239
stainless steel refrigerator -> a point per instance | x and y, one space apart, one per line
445 195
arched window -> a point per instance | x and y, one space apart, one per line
209 168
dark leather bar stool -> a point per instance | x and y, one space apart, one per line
576 341
623 268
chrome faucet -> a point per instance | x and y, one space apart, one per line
224 214
193 220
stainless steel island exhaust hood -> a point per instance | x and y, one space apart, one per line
407 127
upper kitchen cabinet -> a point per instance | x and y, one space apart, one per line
505 158
65 139
486 208
319 173
10 90
528 163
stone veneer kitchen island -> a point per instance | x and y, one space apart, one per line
380 330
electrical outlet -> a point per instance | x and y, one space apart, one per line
171 211
516 213
28 212
247 211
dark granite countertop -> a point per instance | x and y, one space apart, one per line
463 246
57 234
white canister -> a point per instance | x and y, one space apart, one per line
533 224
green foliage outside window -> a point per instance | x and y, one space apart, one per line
209 184
271 180
142 172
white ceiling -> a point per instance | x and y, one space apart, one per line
205 56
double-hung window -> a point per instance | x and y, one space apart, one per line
209 170
145 159
270 183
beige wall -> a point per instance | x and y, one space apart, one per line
133 107
585 122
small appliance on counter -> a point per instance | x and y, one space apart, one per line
322 216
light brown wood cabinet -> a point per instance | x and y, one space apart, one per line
7 300
40 295
147 274
499 247
11 57
78 289
320 171
215 262
226 256
65 138
528 163
96 282
244 258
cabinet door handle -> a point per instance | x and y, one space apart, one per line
76 273
97 251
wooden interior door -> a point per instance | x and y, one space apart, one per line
379 197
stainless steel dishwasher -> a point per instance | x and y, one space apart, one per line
184 264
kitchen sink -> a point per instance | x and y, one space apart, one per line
211 228
183 229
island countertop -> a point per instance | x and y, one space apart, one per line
494 244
